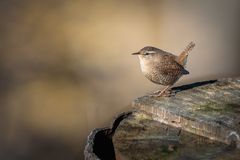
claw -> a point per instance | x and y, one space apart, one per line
159 93
166 92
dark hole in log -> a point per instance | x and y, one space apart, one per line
103 146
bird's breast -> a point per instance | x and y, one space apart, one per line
157 72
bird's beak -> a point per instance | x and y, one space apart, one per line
135 53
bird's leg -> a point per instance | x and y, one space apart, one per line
165 92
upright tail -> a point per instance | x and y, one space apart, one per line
182 58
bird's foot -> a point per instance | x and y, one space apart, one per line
160 93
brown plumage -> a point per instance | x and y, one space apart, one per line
162 67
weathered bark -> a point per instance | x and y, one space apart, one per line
201 122
210 109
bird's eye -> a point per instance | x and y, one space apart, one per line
146 53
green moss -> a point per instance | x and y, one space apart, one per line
219 108
167 154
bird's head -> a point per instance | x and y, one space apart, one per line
147 53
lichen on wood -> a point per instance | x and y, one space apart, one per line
207 109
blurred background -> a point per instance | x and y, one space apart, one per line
66 68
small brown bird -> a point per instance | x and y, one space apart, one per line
162 67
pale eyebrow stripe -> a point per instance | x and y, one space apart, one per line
151 52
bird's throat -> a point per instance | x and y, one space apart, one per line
143 65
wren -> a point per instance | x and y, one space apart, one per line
162 67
